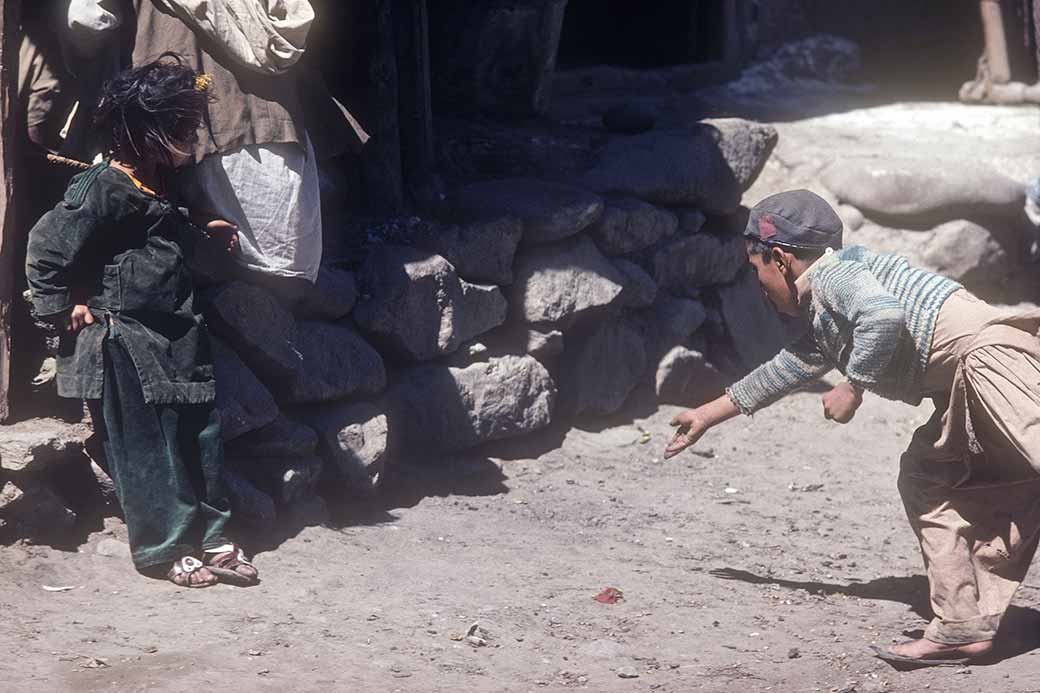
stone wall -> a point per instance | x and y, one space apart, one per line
525 303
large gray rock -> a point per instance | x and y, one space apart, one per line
435 408
601 370
256 325
639 289
685 378
354 439
754 326
337 363
331 297
746 146
563 280
481 251
38 445
628 225
916 191
280 438
675 167
703 259
548 211
244 403
415 304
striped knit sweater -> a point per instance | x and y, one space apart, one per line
871 316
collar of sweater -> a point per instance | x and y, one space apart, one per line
803 284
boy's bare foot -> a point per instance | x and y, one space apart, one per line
928 650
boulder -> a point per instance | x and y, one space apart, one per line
256 325
919 192
242 400
249 505
628 225
337 363
436 408
285 479
280 438
557 282
548 211
691 221
353 439
673 167
601 370
38 445
415 304
481 251
703 259
331 297
756 330
630 118
639 288
671 321
543 345
685 378
746 146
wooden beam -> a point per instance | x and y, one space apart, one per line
10 11
411 36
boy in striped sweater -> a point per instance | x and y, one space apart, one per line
970 479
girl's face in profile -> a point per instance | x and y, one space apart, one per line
185 137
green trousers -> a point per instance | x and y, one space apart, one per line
165 461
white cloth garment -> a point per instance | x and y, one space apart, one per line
270 191
267 36
91 23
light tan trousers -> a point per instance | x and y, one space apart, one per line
976 512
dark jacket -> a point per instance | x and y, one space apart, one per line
123 252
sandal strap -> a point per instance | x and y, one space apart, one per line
186 566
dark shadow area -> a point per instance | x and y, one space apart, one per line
1019 631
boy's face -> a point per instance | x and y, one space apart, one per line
776 279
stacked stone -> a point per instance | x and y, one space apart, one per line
533 302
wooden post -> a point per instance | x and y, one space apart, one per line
381 157
9 24
411 36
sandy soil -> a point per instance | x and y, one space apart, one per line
768 559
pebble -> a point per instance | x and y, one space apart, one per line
627 673
794 653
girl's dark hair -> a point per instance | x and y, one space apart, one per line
147 113
765 250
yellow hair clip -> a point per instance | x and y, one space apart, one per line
203 81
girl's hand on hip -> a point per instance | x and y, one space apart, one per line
79 318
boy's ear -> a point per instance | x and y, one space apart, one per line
780 260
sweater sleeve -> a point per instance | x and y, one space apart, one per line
56 243
877 318
795 366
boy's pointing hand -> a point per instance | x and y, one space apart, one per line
79 318
690 429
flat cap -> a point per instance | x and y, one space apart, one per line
795 219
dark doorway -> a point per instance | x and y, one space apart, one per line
643 35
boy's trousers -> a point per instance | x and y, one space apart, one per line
970 480
165 461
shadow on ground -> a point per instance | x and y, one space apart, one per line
1019 631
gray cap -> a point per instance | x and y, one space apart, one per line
795 219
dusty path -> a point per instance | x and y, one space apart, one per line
801 514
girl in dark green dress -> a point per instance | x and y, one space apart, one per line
110 265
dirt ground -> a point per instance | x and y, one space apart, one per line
770 558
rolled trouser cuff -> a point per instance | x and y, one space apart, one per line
977 629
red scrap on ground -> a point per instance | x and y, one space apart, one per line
610 595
